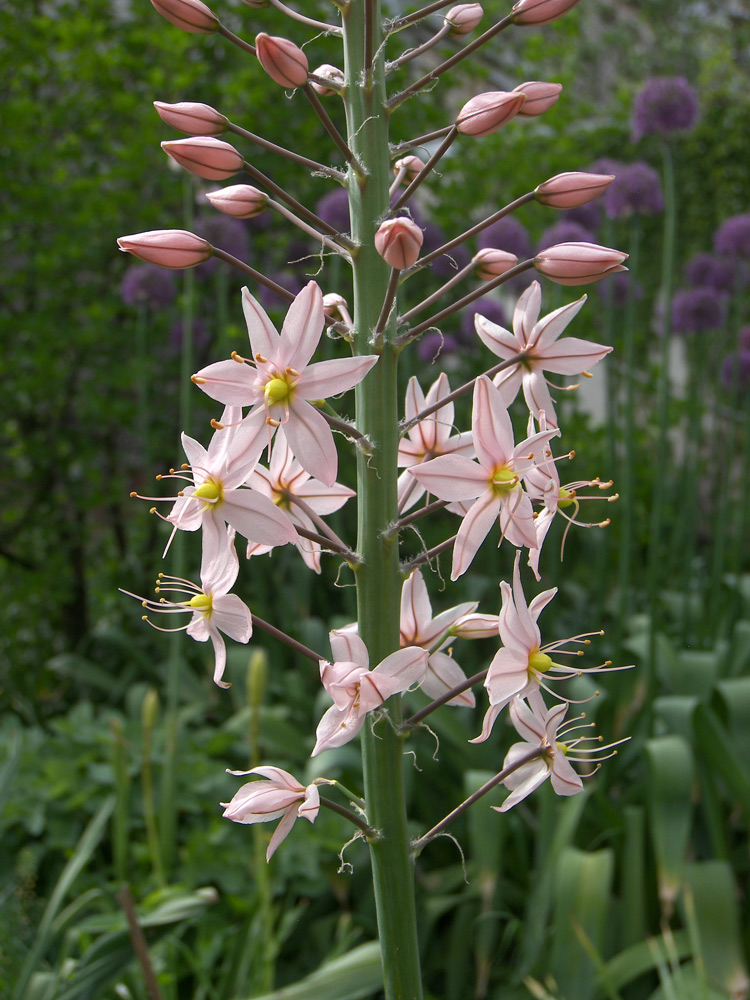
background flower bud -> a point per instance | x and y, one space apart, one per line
173 248
284 61
490 263
569 190
398 241
488 112
328 72
193 119
463 19
540 11
190 15
411 164
332 302
579 263
210 158
239 200
540 97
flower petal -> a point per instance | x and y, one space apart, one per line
473 531
328 378
302 328
264 339
311 440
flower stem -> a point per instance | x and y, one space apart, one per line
272 147
299 647
336 807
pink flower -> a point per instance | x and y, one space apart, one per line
205 156
239 200
279 382
277 796
190 15
420 628
579 263
463 19
537 340
284 482
493 483
540 97
328 72
284 61
539 728
490 263
215 496
172 248
431 437
569 190
540 11
357 690
214 610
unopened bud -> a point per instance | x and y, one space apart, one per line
190 15
486 113
579 263
150 709
192 119
398 241
239 200
328 72
213 159
463 19
540 11
172 248
569 190
491 263
540 97
284 61
257 677
411 164
257 4
332 303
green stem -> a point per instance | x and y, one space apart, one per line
378 579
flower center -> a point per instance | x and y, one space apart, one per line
539 662
566 497
211 491
277 390
201 602
504 480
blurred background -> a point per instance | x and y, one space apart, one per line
115 740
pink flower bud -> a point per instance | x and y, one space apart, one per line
411 164
572 189
173 248
257 4
193 119
540 97
540 11
328 72
578 263
332 302
491 263
398 241
239 200
210 158
486 113
190 15
284 61
463 19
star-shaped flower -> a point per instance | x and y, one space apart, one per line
538 340
493 482
357 690
279 381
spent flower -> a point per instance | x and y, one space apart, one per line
278 795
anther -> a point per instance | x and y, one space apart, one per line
571 454
197 380
158 478
152 510
216 424
259 358
133 494
184 465
292 371
587 374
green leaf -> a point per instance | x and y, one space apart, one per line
353 976
670 766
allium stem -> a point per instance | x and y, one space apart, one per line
415 719
252 273
330 29
458 240
419 845
487 286
288 153
236 40
420 49
426 169
298 647
414 88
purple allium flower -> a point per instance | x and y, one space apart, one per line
227 234
743 338
735 371
696 310
605 165
665 104
507 234
148 285
293 281
635 189
619 287
485 307
433 345
733 236
710 271
333 208
565 232
201 335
